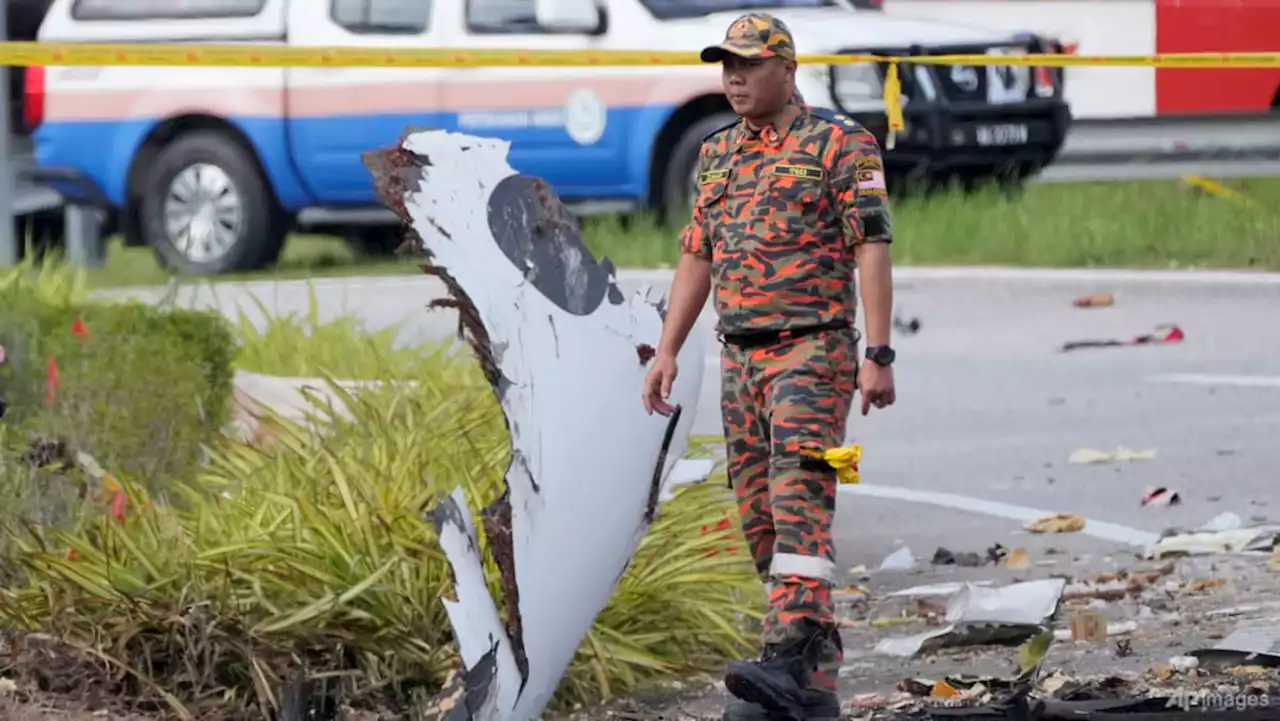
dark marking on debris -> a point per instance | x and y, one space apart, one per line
465 694
496 519
655 485
555 336
646 353
544 242
614 294
518 458
445 513
440 229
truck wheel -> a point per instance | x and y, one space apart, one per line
206 209
678 183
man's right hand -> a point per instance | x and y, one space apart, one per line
657 385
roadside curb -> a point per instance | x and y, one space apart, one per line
1041 275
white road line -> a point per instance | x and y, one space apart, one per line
1206 379
1097 529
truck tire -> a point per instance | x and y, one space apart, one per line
206 209
676 193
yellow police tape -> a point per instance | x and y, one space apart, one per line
211 55
201 55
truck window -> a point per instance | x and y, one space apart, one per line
671 9
164 9
502 16
382 16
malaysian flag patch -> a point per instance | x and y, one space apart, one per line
870 180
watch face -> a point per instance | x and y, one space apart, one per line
881 355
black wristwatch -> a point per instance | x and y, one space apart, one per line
881 355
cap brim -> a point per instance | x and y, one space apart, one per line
717 53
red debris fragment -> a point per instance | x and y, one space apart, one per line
646 353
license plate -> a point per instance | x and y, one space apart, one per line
1003 134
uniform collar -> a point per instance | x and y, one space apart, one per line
776 130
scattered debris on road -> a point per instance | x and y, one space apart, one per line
1251 539
1161 497
899 560
1095 300
906 327
1057 523
983 615
1163 334
1088 456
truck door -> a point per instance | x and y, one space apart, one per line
567 125
336 114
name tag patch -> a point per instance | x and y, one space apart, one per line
712 176
804 172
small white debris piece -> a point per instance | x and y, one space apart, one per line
686 471
979 615
1182 664
899 560
1225 521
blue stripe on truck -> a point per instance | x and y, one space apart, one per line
326 167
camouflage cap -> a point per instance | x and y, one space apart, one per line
756 35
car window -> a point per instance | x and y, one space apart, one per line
502 16
164 9
382 16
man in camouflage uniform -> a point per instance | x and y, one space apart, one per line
791 200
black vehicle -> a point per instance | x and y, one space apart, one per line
969 124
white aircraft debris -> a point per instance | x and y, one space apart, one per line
566 353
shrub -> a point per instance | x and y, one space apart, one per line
142 392
313 558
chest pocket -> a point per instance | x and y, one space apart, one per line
793 185
712 185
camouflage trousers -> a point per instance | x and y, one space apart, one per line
777 402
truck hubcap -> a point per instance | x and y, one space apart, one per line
203 215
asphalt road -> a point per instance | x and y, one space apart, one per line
988 409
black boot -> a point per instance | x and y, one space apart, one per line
778 684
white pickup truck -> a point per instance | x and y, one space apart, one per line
213 167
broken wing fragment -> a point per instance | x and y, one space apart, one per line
558 341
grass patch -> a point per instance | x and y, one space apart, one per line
1146 224
1157 224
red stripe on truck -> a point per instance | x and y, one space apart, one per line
1208 26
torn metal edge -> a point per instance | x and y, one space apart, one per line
655 486
396 172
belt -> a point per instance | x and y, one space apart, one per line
760 339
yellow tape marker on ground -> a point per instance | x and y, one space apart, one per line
267 56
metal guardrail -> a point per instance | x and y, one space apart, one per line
1162 148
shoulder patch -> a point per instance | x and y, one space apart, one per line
840 120
719 130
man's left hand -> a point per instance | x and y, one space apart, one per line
876 383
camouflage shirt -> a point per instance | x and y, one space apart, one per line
779 212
